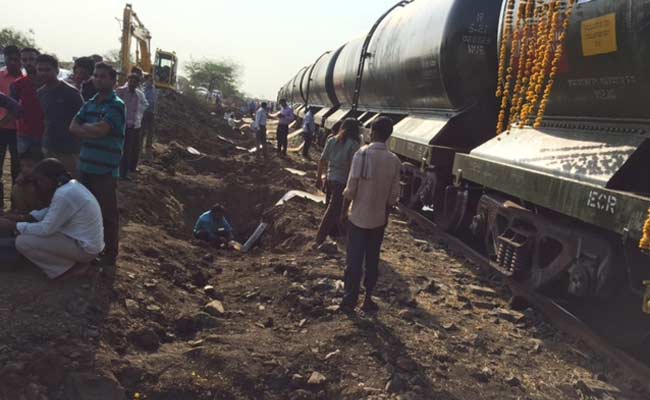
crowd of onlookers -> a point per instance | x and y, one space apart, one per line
69 141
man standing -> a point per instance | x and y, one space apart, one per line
31 125
135 103
373 187
61 102
83 77
149 117
8 75
259 126
285 117
101 125
308 131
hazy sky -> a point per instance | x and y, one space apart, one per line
270 39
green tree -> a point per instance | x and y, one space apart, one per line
222 75
12 36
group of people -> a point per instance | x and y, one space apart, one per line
69 141
285 117
361 186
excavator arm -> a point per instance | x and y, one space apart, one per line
134 29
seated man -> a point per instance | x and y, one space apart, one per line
68 231
213 227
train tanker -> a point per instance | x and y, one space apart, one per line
558 200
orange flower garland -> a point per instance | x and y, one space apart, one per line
644 244
533 39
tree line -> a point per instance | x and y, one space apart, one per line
222 75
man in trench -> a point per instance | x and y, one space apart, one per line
213 227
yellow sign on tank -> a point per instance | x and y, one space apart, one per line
599 35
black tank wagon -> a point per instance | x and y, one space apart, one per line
560 206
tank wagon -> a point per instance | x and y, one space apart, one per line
560 206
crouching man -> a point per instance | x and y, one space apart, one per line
67 231
213 227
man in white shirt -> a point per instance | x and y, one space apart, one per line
373 187
259 126
68 231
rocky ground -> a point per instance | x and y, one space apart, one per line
177 320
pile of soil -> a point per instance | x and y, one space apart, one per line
178 320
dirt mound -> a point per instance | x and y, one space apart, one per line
292 225
191 122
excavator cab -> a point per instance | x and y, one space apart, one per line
164 70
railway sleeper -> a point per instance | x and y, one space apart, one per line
539 250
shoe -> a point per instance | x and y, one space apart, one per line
106 261
346 308
369 306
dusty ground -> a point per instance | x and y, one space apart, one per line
144 331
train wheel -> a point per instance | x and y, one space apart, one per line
411 182
452 212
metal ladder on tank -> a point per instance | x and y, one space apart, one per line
365 54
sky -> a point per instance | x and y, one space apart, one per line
271 40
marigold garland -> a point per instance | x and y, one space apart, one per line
537 37
644 244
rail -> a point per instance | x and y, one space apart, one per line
556 314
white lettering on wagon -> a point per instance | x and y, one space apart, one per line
602 201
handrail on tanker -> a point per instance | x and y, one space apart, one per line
365 54
309 79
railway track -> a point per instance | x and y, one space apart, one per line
559 316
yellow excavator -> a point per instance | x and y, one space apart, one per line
164 67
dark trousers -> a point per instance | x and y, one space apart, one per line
131 153
146 133
333 211
8 253
282 136
104 189
363 245
8 142
309 137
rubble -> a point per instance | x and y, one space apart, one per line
215 308
316 379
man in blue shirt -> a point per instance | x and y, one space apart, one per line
308 131
213 227
101 126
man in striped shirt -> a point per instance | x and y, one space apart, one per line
101 126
